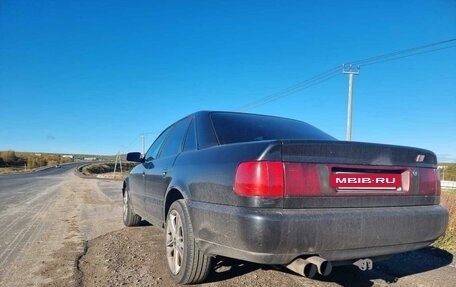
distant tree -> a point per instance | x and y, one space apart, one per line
9 158
450 172
65 159
52 159
31 162
34 161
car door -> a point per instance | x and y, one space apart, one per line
149 157
137 185
158 172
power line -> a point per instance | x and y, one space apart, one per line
317 79
139 138
379 58
410 55
331 73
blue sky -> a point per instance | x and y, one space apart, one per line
93 76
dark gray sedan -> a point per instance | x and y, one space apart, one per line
279 191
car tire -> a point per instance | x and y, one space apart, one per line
129 217
186 262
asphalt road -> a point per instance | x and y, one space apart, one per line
24 201
15 188
22 198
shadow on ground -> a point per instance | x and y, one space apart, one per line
393 269
390 271
226 268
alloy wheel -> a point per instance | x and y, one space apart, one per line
174 242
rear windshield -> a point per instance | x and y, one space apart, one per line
237 127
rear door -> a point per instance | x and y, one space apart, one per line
158 171
139 196
137 186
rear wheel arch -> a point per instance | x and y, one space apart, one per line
171 196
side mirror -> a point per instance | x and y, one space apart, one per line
134 156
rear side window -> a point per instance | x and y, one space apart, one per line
237 127
173 144
155 147
190 141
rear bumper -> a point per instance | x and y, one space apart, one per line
277 236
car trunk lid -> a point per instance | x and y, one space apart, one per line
311 166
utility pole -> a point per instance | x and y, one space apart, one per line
351 71
115 166
118 158
143 140
120 162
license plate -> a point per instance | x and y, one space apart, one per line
364 181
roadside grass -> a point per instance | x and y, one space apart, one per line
7 170
448 240
106 170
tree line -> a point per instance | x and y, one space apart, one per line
11 159
449 172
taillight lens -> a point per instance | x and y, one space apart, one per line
302 179
429 182
260 178
277 179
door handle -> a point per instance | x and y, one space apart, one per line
164 173
143 174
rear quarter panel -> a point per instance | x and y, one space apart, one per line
207 175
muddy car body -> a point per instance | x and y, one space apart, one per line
258 188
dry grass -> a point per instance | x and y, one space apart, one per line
8 170
106 170
448 240
110 175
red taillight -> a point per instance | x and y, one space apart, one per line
259 178
302 179
277 179
429 181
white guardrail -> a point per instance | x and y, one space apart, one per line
447 184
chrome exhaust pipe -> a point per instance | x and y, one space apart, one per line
324 267
303 267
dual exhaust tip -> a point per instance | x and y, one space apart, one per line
310 266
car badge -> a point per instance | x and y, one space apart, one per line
420 158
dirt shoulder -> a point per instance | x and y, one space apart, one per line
95 208
136 257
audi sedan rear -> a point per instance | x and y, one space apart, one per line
279 191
